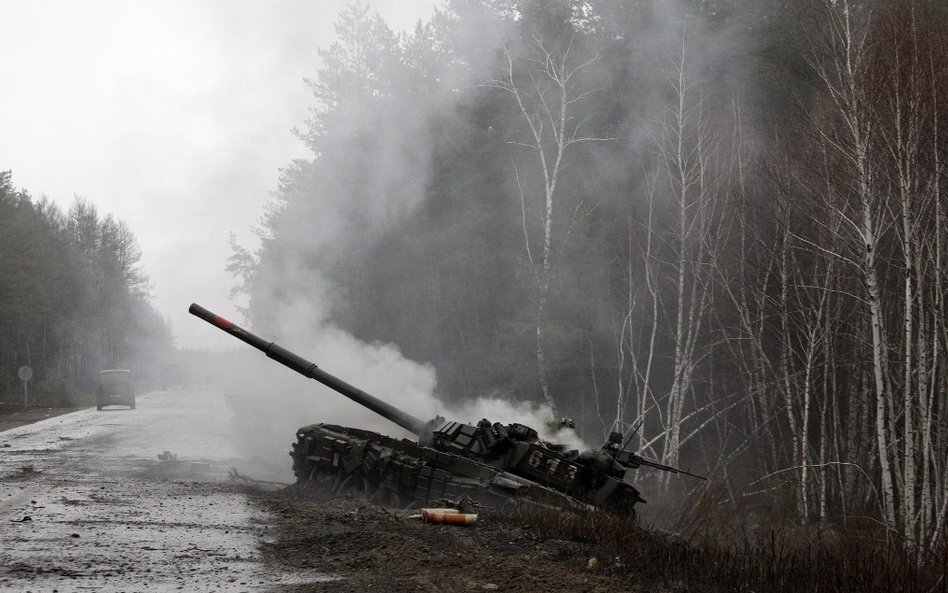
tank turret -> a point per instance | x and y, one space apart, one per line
492 463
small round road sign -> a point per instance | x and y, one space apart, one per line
25 373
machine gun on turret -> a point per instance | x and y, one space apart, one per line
630 460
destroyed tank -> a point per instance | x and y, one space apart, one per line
491 463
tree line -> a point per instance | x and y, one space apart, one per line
73 298
724 220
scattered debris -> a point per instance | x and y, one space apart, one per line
451 518
448 516
462 511
465 504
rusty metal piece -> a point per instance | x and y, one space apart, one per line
448 517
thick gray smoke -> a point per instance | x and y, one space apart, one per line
399 149
271 401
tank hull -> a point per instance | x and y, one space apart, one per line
403 473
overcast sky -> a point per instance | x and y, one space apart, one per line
174 115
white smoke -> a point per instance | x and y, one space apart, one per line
537 416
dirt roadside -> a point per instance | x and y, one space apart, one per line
371 548
12 418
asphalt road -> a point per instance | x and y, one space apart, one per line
132 500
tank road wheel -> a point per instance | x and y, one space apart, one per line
341 482
387 498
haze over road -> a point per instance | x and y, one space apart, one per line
173 115
105 513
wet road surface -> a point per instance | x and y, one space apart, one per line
130 500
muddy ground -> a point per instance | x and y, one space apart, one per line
372 548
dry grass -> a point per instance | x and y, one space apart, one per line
780 562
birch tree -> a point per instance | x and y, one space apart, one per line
544 79
877 123
840 63
686 147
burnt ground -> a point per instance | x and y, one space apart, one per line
371 548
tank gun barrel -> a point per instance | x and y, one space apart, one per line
310 370
633 461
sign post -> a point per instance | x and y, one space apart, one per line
25 373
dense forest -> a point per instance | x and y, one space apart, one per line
73 299
725 219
